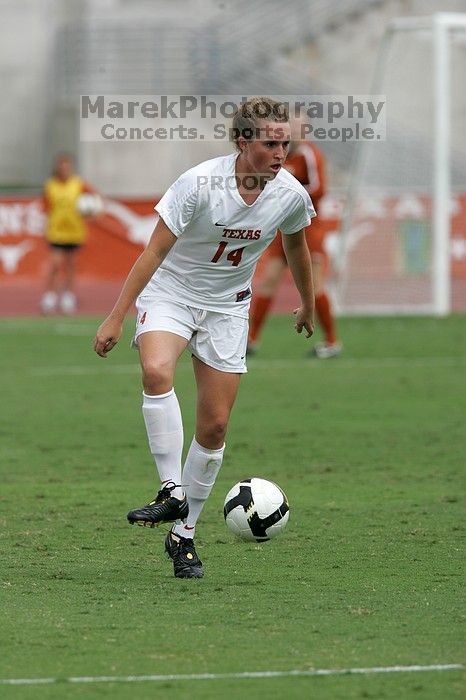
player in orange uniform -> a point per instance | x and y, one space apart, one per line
306 163
65 233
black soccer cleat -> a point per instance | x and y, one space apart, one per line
163 509
181 551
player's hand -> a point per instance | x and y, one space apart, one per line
304 319
107 336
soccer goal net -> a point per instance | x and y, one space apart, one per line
405 191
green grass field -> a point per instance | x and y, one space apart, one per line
369 573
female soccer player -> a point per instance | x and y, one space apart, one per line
192 285
65 234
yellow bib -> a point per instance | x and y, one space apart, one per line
65 225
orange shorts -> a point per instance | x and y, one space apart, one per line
315 241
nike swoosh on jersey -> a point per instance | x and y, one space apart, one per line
221 225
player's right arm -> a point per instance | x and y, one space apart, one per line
160 244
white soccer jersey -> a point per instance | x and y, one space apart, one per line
220 237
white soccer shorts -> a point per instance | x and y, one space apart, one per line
219 340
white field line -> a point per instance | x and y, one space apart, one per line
239 675
257 364
83 370
45 328
82 329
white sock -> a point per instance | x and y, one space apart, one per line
164 427
199 473
49 302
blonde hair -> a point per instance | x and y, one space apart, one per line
246 118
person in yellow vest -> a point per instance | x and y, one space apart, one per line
65 233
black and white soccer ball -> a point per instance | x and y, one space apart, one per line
256 510
89 204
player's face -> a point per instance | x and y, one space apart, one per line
266 153
64 168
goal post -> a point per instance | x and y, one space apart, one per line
442 183
395 237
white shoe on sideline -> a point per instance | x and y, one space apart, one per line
68 303
326 350
48 303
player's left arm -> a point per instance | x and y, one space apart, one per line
320 186
299 262
45 202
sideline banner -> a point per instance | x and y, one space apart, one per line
117 237
114 240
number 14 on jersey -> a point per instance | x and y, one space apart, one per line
234 256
